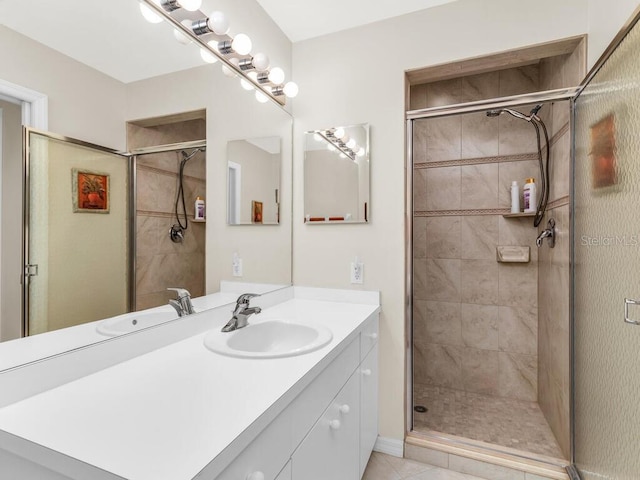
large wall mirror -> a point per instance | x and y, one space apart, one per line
96 89
336 175
253 181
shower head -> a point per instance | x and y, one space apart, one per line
188 156
514 113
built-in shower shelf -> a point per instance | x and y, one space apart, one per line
199 220
518 215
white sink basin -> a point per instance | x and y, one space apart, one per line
132 322
269 339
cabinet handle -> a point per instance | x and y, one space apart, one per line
335 424
366 372
345 409
627 302
256 476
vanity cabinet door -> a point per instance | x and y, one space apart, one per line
330 450
368 406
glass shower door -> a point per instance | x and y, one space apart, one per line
77 262
607 273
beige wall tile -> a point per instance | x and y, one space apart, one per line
516 135
444 138
419 190
420 139
518 376
480 326
442 237
442 323
442 366
443 188
561 112
419 237
515 81
479 282
560 166
146 237
420 291
479 186
479 369
442 280
518 285
480 87
518 330
479 237
418 96
445 92
518 232
480 136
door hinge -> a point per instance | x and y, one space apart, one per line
31 270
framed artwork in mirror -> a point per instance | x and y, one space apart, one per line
256 211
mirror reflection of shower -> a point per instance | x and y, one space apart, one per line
177 230
538 124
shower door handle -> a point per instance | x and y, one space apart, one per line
627 302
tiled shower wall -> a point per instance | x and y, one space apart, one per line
160 263
553 264
475 320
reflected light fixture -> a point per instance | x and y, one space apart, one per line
211 34
335 138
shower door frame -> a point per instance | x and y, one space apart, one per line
564 94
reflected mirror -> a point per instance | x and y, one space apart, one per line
94 90
253 181
336 175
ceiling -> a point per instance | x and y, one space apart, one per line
117 41
304 19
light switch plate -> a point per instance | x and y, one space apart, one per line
357 273
237 267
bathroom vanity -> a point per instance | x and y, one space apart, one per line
160 405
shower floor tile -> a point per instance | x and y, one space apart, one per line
501 421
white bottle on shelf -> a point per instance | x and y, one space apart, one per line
530 197
515 197
199 209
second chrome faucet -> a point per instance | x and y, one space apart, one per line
242 312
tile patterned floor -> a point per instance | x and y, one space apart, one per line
384 467
501 421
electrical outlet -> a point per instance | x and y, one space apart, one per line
357 273
237 266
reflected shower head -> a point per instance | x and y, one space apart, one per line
515 113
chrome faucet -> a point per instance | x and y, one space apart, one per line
183 303
241 313
549 232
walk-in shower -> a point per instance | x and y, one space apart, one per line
490 342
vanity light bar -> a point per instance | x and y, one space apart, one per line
210 34
329 137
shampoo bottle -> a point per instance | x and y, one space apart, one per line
530 197
199 209
515 197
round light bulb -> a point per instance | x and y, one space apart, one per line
150 15
361 152
339 133
241 44
261 62
317 137
291 89
246 85
276 75
191 5
261 97
229 72
180 36
331 148
351 144
253 75
206 55
218 23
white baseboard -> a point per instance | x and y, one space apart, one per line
390 446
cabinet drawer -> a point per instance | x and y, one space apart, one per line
369 336
266 455
310 404
330 451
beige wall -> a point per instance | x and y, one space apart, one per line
374 93
260 179
606 18
11 225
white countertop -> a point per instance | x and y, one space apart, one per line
169 413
